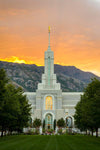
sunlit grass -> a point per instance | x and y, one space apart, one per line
55 142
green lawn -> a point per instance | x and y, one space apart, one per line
43 142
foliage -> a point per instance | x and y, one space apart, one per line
37 123
3 81
43 124
30 124
14 107
30 132
87 115
54 124
61 123
50 130
43 130
36 131
69 131
60 131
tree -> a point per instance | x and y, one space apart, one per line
87 115
30 124
44 124
14 107
80 116
37 123
93 99
61 123
54 124
25 111
3 81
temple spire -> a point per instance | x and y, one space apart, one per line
49 39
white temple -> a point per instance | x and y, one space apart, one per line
49 103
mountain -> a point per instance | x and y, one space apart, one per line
28 76
76 73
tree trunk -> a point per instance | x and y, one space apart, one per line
89 133
2 132
86 132
92 132
11 132
5 133
96 132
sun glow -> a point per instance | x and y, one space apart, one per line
15 59
39 62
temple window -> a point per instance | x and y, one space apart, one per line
48 103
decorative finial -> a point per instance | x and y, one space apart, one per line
49 39
49 29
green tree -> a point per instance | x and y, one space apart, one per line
54 124
87 115
93 100
3 81
25 110
61 123
14 107
80 116
44 124
37 123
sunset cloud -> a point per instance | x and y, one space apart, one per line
75 31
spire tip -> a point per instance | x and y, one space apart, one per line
49 29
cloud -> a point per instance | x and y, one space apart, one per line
75 30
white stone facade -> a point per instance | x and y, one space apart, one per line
49 102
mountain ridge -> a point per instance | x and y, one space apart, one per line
28 76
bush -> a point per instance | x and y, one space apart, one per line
30 132
60 131
36 132
50 130
43 130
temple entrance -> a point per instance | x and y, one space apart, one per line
69 122
48 121
48 127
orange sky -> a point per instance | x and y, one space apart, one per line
75 32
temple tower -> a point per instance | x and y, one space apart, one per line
49 78
49 93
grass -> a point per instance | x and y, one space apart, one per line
43 142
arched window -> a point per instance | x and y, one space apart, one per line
69 122
48 121
48 103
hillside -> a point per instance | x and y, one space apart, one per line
28 76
